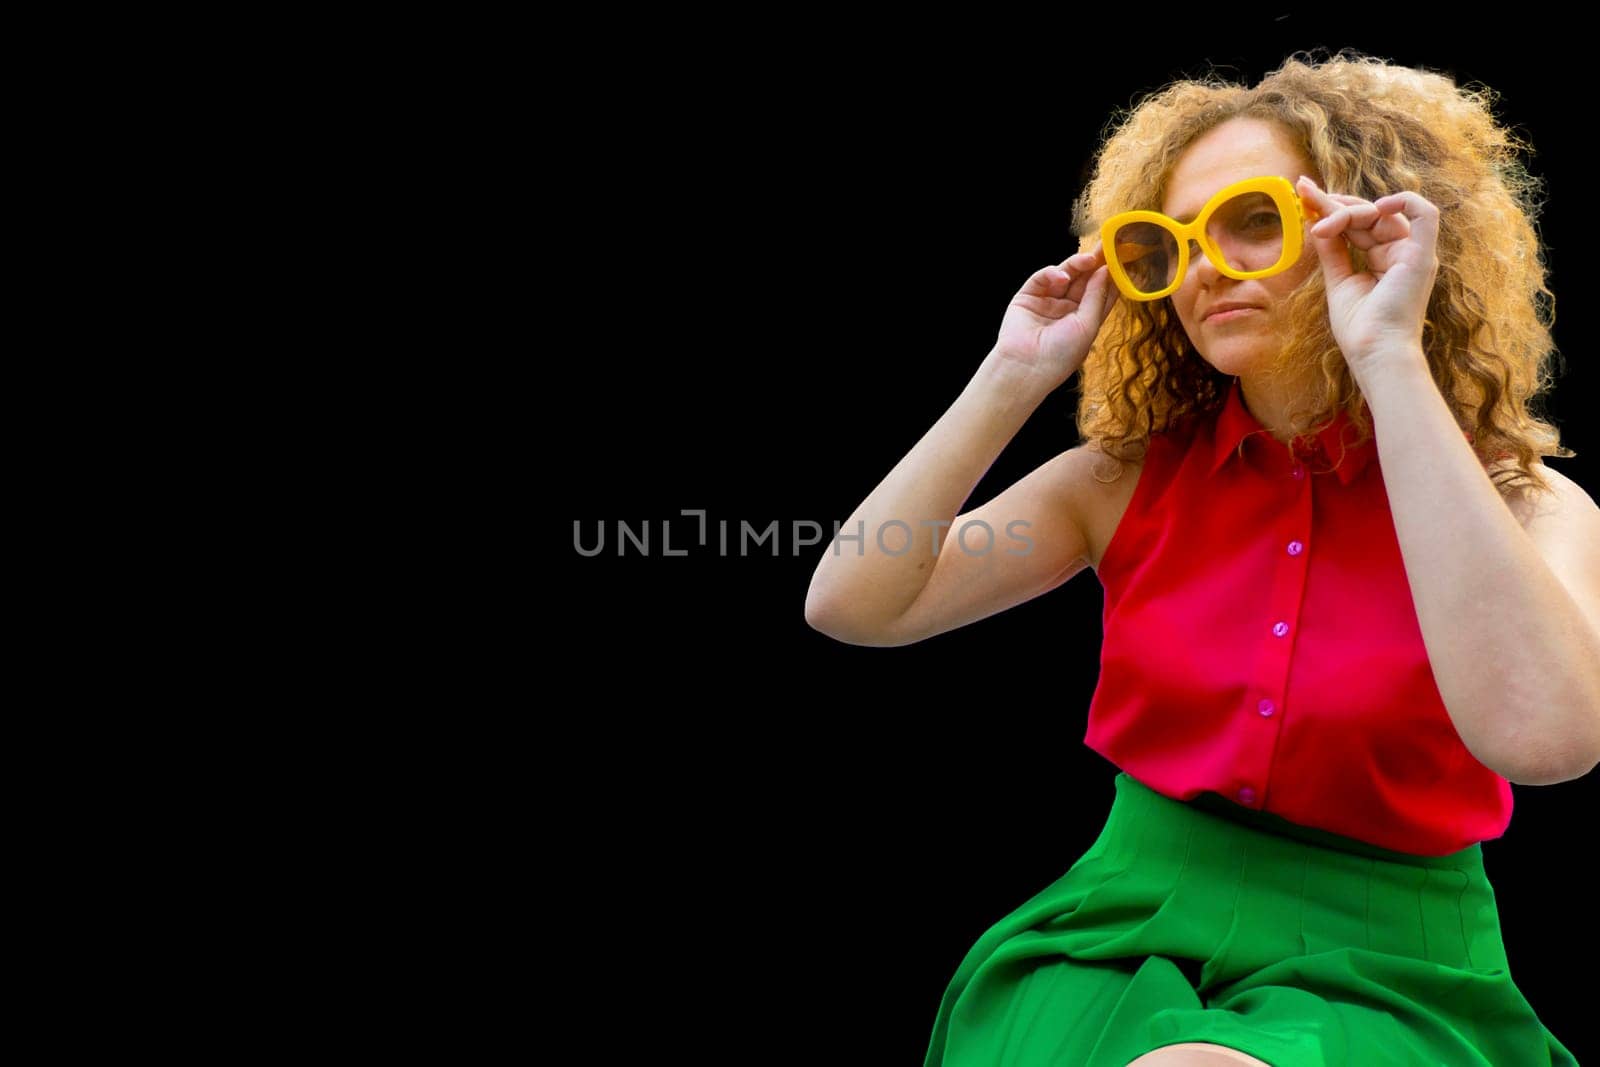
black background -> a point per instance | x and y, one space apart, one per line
780 266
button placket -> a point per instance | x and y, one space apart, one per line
1267 707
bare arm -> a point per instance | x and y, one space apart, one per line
894 581
1031 538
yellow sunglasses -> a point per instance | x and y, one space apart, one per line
1240 229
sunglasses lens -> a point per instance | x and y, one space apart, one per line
1247 230
1148 254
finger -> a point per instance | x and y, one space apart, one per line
1109 292
1322 202
1059 281
1421 214
1317 193
1335 259
1073 265
1046 283
1089 294
1081 283
1099 294
1081 262
1392 224
1057 275
1357 216
1365 225
1077 268
1330 249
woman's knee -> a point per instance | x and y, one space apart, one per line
1196 1054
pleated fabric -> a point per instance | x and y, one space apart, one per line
1208 921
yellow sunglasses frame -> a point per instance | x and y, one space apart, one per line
1290 205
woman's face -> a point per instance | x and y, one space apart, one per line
1237 149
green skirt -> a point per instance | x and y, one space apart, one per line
1208 921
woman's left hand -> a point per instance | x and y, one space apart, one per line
1376 315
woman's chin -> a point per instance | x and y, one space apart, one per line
1237 360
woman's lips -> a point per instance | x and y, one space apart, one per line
1230 314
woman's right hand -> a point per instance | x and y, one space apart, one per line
1053 320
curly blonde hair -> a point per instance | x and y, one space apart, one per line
1370 128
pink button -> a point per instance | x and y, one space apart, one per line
1299 471
1247 795
1265 707
1280 628
1295 548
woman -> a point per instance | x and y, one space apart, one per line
1346 604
